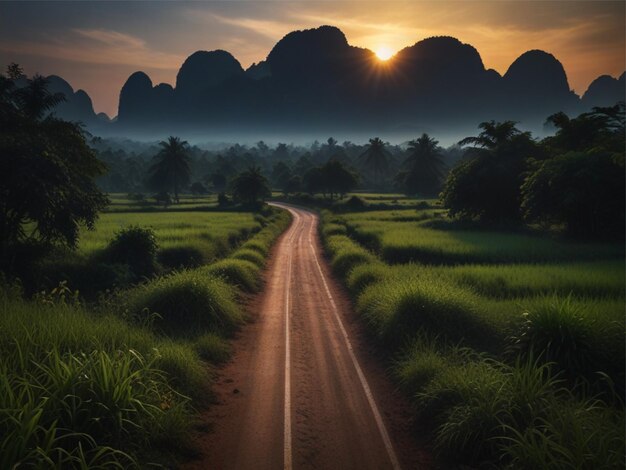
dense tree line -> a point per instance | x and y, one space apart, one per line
376 165
574 179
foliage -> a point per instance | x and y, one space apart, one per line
47 170
557 332
489 406
486 185
176 257
333 179
170 170
239 272
198 188
250 187
81 391
376 159
582 190
135 246
600 129
187 301
425 167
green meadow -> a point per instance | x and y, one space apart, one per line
113 377
509 343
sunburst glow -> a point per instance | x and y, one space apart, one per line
384 53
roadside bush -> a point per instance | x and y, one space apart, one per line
136 247
365 275
238 272
396 309
349 257
177 257
556 331
87 276
186 302
250 255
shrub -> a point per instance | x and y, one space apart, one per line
87 276
556 331
136 247
355 203
188 301
238 272
396 309
177 257
348 258
594 184
365 275
249 255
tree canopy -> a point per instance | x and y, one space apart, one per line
250 186
486 184
376 160
332 179
47 169
171 171
425 167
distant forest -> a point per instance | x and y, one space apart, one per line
284 165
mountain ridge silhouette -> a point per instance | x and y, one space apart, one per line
314 81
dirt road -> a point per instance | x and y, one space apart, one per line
302 390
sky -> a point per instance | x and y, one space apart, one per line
96 45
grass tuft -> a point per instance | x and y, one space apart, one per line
187 302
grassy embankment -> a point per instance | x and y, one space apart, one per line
115 383
510 345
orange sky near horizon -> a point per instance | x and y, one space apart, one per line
97 45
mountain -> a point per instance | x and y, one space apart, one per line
605 91
77 105
536 85
313 82
204 70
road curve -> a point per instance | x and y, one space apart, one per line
295 394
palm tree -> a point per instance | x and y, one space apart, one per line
171 168
426 166
494 134
376 159
251 186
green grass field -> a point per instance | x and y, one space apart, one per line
212 233
470 316
117 382
123 203
425 236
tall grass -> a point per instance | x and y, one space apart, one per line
112 386
403 236
79 391
510 345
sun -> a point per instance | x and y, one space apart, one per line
384 53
